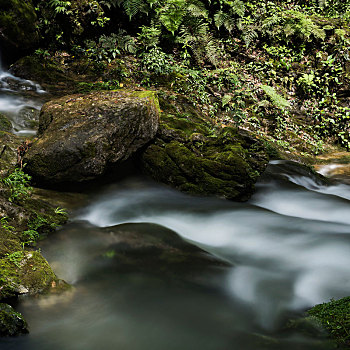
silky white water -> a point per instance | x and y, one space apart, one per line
289 249
20 101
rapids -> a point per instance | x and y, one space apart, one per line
20 101
288 248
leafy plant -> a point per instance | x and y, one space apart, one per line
15 258
276 99
156 61
4 222
18 182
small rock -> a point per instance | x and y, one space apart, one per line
11 322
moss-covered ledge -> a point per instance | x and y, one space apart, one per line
195 156
24 220
334 316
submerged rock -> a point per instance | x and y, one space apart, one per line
11 322
152 247
81 135
192 155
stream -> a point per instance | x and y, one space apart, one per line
288 247
20 101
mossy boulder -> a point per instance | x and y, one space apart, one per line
18 24
81 135
5 124
192 155
11 322
24 272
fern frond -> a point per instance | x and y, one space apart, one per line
211 51
276 99
237 7
197 9
270 22
133 7
224 19
249 35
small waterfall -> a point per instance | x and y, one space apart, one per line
20 101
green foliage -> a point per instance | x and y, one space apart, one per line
60 6
109 47
156 61
335 317
4 222
149 36
18 182
30 237
302 26
15 258
276 99
61 211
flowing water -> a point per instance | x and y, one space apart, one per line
20 101
289 249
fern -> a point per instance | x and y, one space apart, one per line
60 6
224 19
195 34
301 25
276 99
197 9
171 15
125 42
249 35
237 7
228 18
133 7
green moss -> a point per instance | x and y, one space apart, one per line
27 272
5 124
18 20
37 274
191 155
335 317
8 242
11 322
152 95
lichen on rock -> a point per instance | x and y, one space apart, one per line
81 135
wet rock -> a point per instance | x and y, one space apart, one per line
157 249
11 322
5 124
27 118
192 155
8 151
24 272
282 170
81 135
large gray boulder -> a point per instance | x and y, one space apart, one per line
81 135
